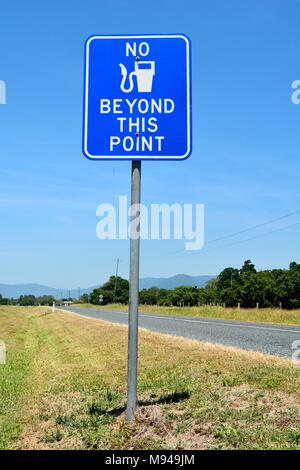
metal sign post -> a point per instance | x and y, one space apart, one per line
133 293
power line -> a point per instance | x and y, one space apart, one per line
251 238
253 227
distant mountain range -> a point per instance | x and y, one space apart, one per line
174 281
15 290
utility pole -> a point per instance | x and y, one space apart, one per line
115 287
78 293
133 291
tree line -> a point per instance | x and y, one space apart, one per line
28 300
245 287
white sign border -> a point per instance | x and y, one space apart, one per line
188 82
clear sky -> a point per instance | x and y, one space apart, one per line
246 139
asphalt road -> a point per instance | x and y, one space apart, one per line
262 337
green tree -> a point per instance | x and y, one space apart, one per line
228 278
27 300
248 286
84 298
184 295
45 300
117 288
247 268
294 274
153 295
3 301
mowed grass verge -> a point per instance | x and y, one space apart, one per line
64 387
264 315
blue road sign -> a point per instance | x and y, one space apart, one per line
137 98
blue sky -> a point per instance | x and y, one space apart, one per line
246 139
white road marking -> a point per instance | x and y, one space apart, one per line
212 322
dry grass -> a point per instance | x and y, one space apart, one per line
72 389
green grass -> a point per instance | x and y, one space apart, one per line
64 387
265 315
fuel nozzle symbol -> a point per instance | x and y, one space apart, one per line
144 72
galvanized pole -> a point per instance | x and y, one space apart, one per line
133 293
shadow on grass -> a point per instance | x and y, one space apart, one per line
44 314
166 399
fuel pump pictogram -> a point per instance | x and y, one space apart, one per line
144 72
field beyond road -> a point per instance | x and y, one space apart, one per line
264 315
64 387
